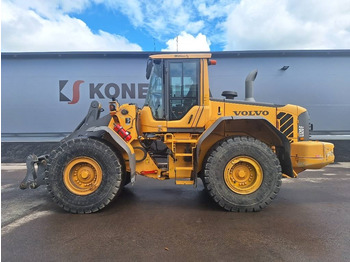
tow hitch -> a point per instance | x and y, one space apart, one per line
36 168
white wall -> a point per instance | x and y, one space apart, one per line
30 83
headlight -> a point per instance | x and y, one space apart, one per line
303 126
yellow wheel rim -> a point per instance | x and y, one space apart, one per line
243 175
82 176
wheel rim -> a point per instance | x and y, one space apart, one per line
243 175
82 176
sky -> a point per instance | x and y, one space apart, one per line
173 25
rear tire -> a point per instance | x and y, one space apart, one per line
84 175
242 174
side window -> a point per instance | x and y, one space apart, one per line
183 88
155 93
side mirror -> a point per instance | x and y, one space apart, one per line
149 68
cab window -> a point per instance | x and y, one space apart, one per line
183 93
155 93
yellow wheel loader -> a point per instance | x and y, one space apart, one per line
239 149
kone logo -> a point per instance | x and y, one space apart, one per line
76 91
102 91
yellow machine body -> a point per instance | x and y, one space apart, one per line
183 136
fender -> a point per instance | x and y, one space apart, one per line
126 147
281 141
94 126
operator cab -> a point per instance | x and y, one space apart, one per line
178 94
173 88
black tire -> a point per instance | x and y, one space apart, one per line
106 161
219 161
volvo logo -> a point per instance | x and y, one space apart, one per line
251 113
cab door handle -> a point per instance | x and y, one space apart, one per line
189 120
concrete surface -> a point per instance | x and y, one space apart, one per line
159 221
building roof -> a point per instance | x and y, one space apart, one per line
222 54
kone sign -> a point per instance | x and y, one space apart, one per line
101 90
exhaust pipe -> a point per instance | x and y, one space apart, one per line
249 86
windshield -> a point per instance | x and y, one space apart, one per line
155 93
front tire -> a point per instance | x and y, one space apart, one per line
84 175
242 174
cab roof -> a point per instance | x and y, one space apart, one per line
181 56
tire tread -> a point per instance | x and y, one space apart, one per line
218 152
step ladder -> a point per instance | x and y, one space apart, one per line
184 152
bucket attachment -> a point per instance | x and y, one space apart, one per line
36 168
